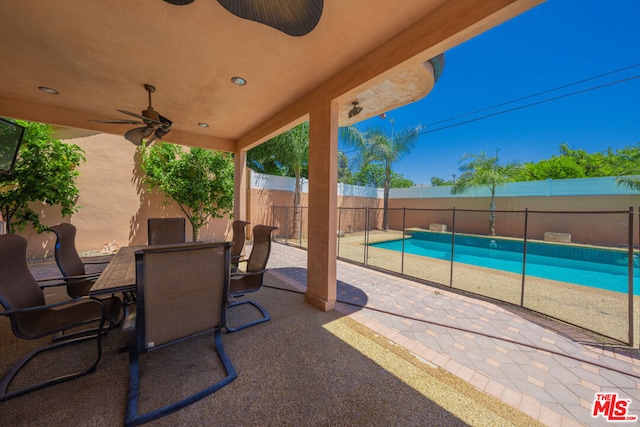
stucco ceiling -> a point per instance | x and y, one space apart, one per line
99 53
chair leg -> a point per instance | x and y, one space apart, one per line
132 418
265 315
8 377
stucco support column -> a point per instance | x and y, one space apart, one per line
240 185
323 181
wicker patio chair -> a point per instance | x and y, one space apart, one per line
239 238
163 231
251 279
181 293
72 267
31 318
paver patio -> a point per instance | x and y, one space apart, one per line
546 369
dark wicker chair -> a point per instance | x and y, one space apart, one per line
72 267
181 293
31 318
162 231
250 280
239 237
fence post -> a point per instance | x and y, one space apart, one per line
453 237
524 255
630 272
366 235
404 224
300 227
286 225
339 231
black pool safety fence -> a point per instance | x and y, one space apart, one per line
579 267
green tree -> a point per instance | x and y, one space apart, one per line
344 171
288 155
374 174
577 163
200 181
438 182
376 147
632 182
45 172
482 170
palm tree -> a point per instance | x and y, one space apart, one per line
482 170
375 146
286 154
632 182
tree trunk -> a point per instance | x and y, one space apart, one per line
6 216
385 213
297 214
492 218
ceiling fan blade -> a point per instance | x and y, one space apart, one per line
179 2
143 118
118 121
137 135
292 17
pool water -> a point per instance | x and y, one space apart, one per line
598 268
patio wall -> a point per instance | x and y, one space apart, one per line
115 207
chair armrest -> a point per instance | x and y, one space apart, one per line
130 313
95 262
243 274
238 259
59 281
51 285
89 276
54 305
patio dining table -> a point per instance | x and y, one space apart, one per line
120 273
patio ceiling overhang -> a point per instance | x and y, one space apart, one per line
98 55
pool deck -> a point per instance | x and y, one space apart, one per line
544 368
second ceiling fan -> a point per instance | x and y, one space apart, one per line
292 17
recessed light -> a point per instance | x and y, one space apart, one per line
48 90
203 125
238 81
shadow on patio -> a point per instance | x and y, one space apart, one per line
304 367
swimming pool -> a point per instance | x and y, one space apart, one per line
598 268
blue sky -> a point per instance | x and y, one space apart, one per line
558 43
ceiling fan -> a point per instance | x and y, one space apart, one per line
292 17
155 125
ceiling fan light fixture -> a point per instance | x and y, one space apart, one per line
48 90
162 131
238 81
355 110
137 135
179 2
